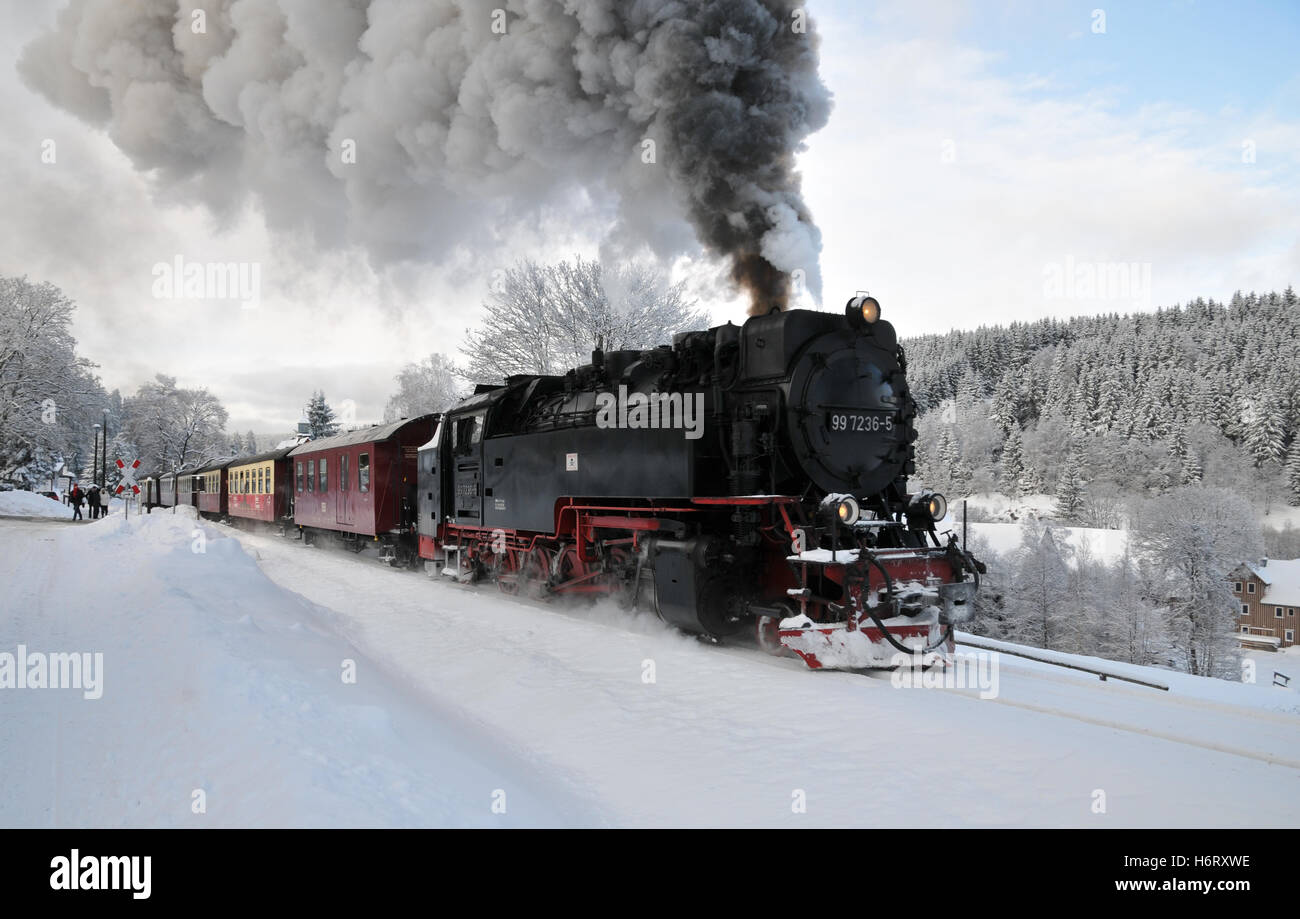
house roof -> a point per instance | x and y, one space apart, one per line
1281 579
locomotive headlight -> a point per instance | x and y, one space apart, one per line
848 511
862 311
937 505
929 505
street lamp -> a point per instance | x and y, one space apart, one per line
94 463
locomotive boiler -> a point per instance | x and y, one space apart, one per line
744 478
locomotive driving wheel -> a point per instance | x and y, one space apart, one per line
534 573
622 587
506 572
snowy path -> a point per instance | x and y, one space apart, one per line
222 673
216 680
730 736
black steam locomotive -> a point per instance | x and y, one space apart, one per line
744 477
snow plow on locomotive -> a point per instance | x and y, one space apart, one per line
741 478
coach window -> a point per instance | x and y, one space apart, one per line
343 472
311 476
323 483
363 472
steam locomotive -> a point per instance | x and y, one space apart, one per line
742 479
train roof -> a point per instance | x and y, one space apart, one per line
363 436
209 467
263 456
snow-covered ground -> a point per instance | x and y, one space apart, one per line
30 504
1004 538
217 681
222 673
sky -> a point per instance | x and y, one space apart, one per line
983 163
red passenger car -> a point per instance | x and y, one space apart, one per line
210 487
362 483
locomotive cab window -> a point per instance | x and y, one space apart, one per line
466 432
363 472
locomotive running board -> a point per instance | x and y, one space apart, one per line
834 646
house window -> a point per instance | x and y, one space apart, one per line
1250 588
1277 612
1290 634
1236 587
323 483
1245 610
1245 629
363 472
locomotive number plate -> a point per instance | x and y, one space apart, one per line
860 422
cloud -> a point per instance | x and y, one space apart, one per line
949 189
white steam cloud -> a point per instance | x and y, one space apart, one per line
413 126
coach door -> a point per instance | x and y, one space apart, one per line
467 457
343 493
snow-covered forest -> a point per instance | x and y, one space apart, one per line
1094 409
1179 427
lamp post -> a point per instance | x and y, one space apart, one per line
94 462
103 464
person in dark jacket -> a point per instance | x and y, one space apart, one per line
92 499
76 498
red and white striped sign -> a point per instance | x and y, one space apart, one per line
128 478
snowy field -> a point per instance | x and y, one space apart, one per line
223 655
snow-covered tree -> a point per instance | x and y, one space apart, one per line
1194 537
250 443
49 397
320 417
1264 429
1039 580
175 428
549 318
1293 472
428 386
1012 465
1069 489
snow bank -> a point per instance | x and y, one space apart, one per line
30 504
220 687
